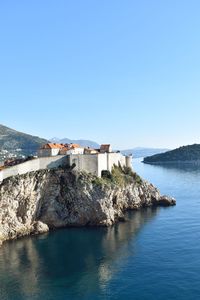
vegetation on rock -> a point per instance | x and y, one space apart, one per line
120 176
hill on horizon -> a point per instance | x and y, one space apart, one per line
14 143
18 144
188 153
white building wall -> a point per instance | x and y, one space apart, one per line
102 163
1 176
75 151
55 152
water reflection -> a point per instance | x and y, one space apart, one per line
181 166
68 260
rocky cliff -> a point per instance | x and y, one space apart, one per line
38 201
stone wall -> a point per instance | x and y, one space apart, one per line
96 163
34 165
91 163
85 162
48 152
115 159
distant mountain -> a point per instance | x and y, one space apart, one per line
143 152
17 144
83 143
190 153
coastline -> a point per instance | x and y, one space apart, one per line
36 202
187 162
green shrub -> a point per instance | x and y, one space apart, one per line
120 176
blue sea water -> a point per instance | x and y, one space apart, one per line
155 255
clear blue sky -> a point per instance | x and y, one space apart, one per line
125 72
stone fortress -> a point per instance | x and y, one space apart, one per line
53 155
93 161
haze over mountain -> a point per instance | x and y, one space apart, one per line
81 142
136 152
190 153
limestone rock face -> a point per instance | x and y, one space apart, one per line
34 202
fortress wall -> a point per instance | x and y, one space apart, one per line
91 163
44 152
115 159
34 165
96 163
53 162
129 161
86 162
122 160
102 163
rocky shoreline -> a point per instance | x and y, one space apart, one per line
38 201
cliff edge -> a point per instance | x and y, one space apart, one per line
38 201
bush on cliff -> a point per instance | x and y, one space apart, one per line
120 176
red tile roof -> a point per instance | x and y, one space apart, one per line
73 146
53 146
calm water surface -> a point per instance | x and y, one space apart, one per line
155 255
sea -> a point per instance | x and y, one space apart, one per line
154 255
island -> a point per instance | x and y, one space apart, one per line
184 154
